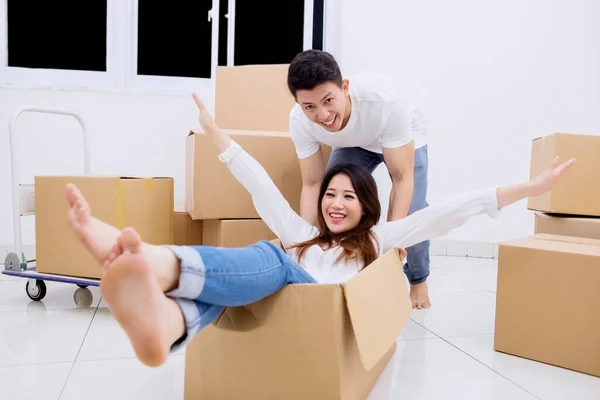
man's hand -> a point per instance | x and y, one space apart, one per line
402 254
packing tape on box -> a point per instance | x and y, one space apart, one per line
543 142
120 200
148 184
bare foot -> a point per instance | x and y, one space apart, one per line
97 236
152 321
105 242
419 295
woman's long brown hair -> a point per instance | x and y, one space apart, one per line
358 243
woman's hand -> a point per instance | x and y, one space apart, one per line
221 140
547 179
206 120
539 185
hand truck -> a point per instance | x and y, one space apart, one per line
23 199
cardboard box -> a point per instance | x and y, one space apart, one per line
253 97
235 232
212 192
311 341
567 226
547 301
578 192
186 231
144 204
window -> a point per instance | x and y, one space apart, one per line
268 31
149 46
174 38
68 34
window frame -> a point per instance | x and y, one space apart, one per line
33 78
307 33
121 59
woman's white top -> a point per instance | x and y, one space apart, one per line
431 222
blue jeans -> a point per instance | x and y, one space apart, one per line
417 266
213 278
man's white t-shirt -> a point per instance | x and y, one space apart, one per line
378 119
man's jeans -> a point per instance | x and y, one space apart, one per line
417 266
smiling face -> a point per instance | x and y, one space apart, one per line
340 206
327 105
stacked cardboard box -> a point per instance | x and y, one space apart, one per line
252 105
145 204
547 295
338 338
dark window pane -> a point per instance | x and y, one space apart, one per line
174 38
318 22
223 20
65 34
268 31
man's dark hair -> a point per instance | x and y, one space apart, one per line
312 68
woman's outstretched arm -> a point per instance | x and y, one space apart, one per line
440 219
268 201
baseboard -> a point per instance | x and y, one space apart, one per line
438 247
461 248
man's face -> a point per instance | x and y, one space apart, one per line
327 105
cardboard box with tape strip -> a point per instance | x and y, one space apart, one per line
312 341
547 301
212 192
145 204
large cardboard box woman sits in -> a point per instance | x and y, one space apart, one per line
162 296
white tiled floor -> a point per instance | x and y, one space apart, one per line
59 350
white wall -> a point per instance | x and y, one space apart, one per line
490 76
130 134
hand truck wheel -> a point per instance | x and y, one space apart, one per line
36 290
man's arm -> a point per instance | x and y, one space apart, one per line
400 163
312 169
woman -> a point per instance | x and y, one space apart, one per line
163 295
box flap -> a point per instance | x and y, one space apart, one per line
566 239
379 306
557 243
244 132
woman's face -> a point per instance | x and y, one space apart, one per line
341 208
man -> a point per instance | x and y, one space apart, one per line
364 121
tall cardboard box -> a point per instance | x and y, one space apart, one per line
235 232
212 192
186 231
309 341
144 204
547 301
253 97
567 226
579 190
